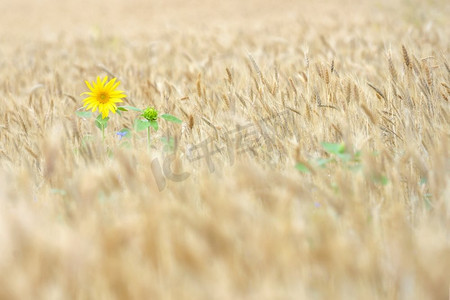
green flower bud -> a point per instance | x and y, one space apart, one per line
150 114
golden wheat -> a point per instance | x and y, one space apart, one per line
86 219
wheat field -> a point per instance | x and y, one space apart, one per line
264 210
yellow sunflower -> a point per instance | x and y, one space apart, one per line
103 96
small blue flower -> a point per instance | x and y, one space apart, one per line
121 134
317 204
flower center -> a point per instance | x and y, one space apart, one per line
103 97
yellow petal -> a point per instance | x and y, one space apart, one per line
115 85
89 85
110 84
95 105
90 105
118 92
104 111
112 107
86 104
88 99
118 95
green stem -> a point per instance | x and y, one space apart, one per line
103 133
148 138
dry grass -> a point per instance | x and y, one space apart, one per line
84 220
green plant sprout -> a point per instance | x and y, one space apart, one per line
100 123
169 144
149 119
338 154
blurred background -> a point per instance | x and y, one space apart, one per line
76 223
47 18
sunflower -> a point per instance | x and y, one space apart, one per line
103 96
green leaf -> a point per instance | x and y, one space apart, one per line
428 203
344 156
101 123
58 191
126 131
169 143
99 117
302 168
127 107
322 162
141 124
171 118
125 144
84 114
382 179
86 139
334 148
423 180
355 167
335 187
154 125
